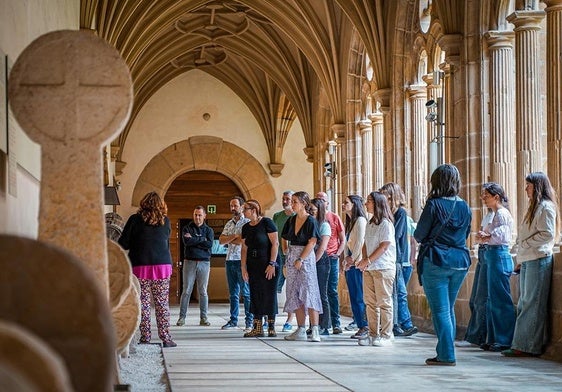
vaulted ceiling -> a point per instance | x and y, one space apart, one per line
276 55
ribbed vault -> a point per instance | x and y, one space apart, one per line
276 55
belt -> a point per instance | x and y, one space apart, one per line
485 246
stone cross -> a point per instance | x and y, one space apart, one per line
71 92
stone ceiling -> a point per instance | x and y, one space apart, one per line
276 55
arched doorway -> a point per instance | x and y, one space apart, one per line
206 188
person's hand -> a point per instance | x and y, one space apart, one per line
348 262
187 235
298 264
245 275
363 264
517 269
269 272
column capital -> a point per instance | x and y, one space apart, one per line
553 5
339 130
365 126
417 91
309 152
275 169
499 39
376 118
451 44
526 20
383 96
428 79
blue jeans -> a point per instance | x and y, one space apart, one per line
354 279
500 311
401 317
531 327
407 273
236 285
191 271
322 273
476 330
333 297
441 286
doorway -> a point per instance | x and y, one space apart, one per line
213 191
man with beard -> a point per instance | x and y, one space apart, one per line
231 237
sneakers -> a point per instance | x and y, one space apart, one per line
315 335
351 326
382 342
229 325
169 343
287 327
436 362
248 328
299 334
204 322
407 332
265 325
464 343
517 353
336 330
324 332
181 321
366 341
362 333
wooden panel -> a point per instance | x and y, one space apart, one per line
187 191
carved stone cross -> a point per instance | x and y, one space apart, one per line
71 92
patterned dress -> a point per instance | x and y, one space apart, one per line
302 285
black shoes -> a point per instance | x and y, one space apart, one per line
169 343
436 362
406 332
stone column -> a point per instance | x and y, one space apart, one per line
366 130
502 119
378 149
341 166
389 147
418 98
529 151
554 91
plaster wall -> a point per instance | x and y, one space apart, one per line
22 21
175 113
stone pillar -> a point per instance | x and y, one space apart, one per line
554 91
378 149
389 147
366 130
418 98
529 151
502 119
341 166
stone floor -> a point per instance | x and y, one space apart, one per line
210 359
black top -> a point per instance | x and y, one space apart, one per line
256 238
401 235
308 230
198 246
147 245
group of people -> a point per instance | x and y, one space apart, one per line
303 244
443 262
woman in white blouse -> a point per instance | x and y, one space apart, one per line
355 223
500 313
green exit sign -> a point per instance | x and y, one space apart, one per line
211 209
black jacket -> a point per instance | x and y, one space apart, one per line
199 246
147 245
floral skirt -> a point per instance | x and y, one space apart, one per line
302 285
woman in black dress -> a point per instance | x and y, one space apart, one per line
260 267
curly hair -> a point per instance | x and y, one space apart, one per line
153 209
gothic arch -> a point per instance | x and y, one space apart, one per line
206 153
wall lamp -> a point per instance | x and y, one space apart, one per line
431 104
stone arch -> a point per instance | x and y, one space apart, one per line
206 153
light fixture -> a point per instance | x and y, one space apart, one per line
431 116
431 104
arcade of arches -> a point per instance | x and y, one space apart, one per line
266 93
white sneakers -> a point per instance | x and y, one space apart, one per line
376 341
299 334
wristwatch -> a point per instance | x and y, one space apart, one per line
298 259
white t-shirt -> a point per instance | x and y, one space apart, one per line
374 235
